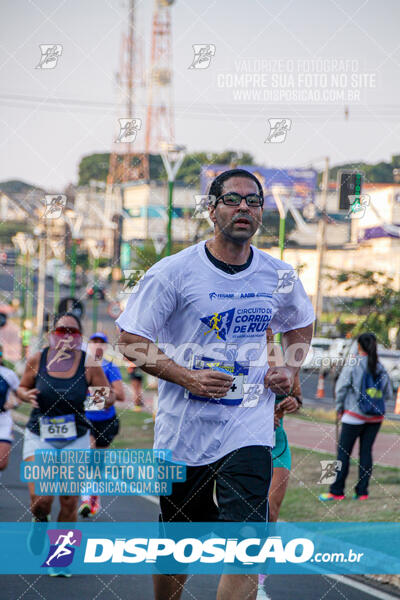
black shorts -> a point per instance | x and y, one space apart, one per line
104 431
136 374
242 479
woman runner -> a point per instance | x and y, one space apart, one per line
55 383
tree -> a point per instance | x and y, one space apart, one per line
378 310
10 228
381 172
95 166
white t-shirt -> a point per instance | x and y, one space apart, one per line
199 315
11 378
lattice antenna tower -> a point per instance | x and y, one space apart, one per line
160 111
128 162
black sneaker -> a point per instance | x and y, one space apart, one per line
85 510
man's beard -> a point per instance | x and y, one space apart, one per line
237 237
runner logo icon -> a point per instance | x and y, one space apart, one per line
219 322
62 547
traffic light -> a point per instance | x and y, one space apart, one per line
46 322
349 184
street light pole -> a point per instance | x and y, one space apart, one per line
20 241
172 156
282 208
73 268
74 221
57 252
318 298
95 251
42 233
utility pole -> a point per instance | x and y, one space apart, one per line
321 240
95 252
42 233
74 222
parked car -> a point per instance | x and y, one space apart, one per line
318 355
8 257
337 353
53 264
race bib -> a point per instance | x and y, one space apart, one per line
57 429
239 372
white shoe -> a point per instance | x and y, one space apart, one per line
261 595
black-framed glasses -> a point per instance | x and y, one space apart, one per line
234 199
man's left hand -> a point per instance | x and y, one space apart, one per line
289 404
279 380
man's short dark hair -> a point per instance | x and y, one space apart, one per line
218 183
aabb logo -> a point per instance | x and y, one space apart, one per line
62 547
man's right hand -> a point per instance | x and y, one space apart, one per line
207 383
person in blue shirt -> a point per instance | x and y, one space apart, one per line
104 423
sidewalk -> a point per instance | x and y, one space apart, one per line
321 437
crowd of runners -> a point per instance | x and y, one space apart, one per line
234 445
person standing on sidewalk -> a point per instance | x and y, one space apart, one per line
361 393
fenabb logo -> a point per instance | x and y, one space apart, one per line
213 550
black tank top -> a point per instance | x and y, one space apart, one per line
59 396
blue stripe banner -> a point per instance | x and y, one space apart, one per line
144 548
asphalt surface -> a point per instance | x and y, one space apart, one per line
14 506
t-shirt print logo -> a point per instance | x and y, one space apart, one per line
219 322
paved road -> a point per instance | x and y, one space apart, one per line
14 507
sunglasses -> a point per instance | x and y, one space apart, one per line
234 199
66 331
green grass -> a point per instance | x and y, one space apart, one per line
301 501
136 430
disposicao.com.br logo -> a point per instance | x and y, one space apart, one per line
192 550
215 547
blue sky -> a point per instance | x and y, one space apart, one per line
43 143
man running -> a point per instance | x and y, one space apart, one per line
203 379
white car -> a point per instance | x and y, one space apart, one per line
318 354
